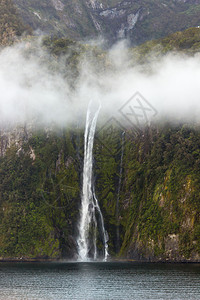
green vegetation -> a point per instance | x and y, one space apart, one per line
159 197
185 42
163 191
39 197
158 216
159 201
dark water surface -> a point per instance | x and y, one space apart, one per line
95 281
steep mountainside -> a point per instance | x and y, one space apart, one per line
155 215
136 19
147 183
11 24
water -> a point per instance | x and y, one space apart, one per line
99 281
87 239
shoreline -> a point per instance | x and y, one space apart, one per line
59 260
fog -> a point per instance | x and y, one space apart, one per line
30 93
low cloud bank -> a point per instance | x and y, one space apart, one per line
29 92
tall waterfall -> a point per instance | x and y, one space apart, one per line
91 218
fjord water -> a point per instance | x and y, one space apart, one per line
99 281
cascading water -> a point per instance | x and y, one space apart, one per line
88 226
104 232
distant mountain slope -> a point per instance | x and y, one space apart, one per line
140 20
11 24
185 42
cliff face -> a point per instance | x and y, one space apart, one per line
150 206
39 198
163 196
11 137
138 20
158 211
147 182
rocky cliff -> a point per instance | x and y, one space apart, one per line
150 207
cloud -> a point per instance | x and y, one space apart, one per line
31 92
28 90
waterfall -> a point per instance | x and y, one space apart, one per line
88 225
118 192
104 232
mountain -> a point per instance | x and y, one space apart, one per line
138 20
147 183
11 25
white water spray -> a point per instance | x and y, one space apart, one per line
88 226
